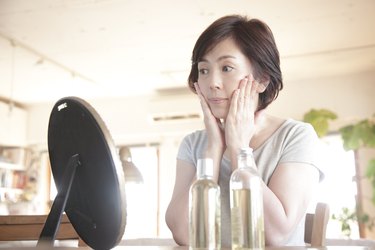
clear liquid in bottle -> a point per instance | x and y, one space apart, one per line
204 206
246 198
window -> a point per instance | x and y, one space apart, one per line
142 198
338 188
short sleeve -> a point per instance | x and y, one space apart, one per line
185 150
301 145
192 147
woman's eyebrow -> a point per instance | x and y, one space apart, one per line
219 59
225 57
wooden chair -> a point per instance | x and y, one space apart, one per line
316 225
29 227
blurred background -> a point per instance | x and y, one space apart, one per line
130 60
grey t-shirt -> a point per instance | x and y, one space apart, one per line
293 141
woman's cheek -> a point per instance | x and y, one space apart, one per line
203 88
234 81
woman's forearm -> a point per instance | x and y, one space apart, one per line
177 219
286 199
216 154
278 223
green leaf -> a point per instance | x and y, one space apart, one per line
363 131
370 140
349 137
319 120
358 135
370 171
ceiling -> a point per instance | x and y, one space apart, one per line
113 48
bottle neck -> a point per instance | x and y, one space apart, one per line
246 159
244 163
204 177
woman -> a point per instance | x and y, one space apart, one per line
236 74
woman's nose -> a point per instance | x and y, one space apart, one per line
215 82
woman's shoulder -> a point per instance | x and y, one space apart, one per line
289 128
192 146
276 123
195 137
295 132
196 134
297 126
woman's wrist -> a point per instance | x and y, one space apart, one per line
216 154
234 150
214 150
233 154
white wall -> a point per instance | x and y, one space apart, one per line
351 97
128 120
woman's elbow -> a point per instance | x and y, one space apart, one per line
276 240
178 228
180 238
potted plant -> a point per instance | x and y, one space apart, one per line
355 136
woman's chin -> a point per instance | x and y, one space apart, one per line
219 114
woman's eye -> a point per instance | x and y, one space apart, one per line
227 68
203 71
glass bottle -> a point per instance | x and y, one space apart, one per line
246 202
204 209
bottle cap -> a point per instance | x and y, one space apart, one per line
205 167
246 150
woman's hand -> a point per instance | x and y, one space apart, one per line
240 122
214 129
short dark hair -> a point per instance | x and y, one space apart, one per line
256 41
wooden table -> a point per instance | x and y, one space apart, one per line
18 228
187 248
28 227
267 248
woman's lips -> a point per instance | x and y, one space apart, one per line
217 100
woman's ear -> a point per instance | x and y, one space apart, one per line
263 84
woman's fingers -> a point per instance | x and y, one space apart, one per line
203 102
241 97
213 125
199 93
233 108
248 92
209 118
252 95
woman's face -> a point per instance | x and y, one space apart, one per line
219 74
